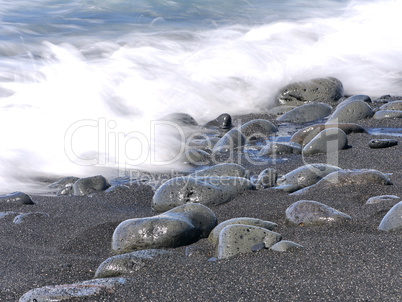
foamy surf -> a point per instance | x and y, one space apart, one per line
77 101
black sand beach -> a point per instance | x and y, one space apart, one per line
347 261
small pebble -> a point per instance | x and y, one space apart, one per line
382 143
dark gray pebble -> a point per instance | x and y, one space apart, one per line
306 113
224 121
382 143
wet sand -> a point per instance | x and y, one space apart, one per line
348 261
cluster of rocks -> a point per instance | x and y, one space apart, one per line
185 204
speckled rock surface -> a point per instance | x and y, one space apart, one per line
395 105
351 112
382 198
214 235
239 238
227 169
81 290
276 148
326 90
309 212
230 141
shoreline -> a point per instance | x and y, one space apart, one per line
345 261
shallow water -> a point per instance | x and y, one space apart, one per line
83 83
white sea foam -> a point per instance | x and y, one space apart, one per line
74 102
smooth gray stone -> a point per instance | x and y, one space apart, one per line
285 245
210 191
180 226
326 90
306 113
80 290
267 178
64 182
196 157
275 148
257 129
382 198
327 141
280 110
214 235
230 141
129 263
395 105
181 119
309 212
387 114
305 135
306 175
358 97
16 198
351 112
29 217
382 143
239 238
88 185
348 177
392 221
227 169
223 121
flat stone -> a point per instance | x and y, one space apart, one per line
306 175
387 114
327 141
382 198
88 185
351 112
128 263
285 246
209 191
326 90
306 113
382 143
276 148
395 105
80 290
267 178
16 198
180 226
305 135
238 238
258 129
214 235
392 221
309 212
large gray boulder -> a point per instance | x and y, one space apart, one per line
180 226
326 90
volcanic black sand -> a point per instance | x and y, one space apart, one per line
348 261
